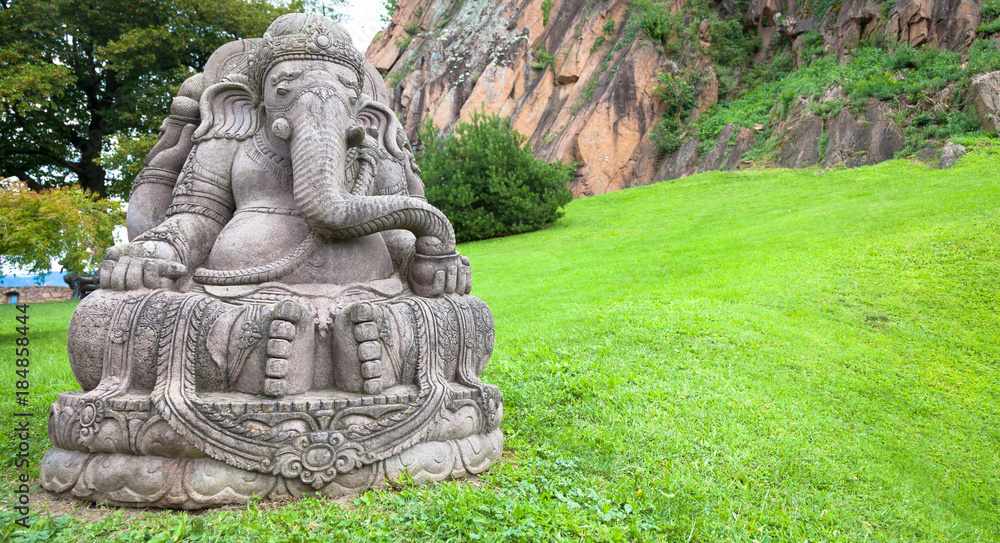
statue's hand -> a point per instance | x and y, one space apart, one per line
135 266
432 276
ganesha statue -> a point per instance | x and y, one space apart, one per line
289 315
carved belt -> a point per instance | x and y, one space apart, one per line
292 212
260 274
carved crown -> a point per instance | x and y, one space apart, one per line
303 36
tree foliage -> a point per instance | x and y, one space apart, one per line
79 78
65 223
486 180
328 8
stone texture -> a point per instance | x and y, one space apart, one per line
197 483
681 163
567 63
479 56
800 137
856 21
617 125
709 95
745 139
951 153
984 94
36 294
870 139
948 24
929 154
716 158
272 327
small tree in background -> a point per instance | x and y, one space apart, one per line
486 180
65 223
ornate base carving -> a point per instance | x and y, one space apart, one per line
197 483
121 451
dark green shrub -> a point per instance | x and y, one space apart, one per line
542 57
656 20
814 45
678 95
486 180
667 135
546 8
962 122
732 45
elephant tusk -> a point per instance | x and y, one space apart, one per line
355 136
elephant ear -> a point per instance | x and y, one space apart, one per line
228 111
378 117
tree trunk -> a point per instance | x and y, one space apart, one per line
92 175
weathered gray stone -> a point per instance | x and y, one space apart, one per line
948 24
951 153
680 163
717 156
870 139
984 93
929 153
744 142
800 135
290 314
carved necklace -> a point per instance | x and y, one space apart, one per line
263 154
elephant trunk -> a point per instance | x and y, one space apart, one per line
322 193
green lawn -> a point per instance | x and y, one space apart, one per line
756 356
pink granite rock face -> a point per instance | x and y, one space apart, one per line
596 103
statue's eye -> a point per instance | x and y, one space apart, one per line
348 82
282 91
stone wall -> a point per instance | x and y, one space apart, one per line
36 294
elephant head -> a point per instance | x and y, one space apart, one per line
303 91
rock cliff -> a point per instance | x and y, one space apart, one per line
581 77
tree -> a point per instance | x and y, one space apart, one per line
81 77
65 223
328 8
486 180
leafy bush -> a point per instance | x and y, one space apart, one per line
991 17
679 95
597 43
390 7
667 135
486 180
732 45
542 58
872 72
656 20
984 56
880 85
70 224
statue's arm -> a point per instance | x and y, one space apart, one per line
202 205
151 190
402 248
427 276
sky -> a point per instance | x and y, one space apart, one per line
363 19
